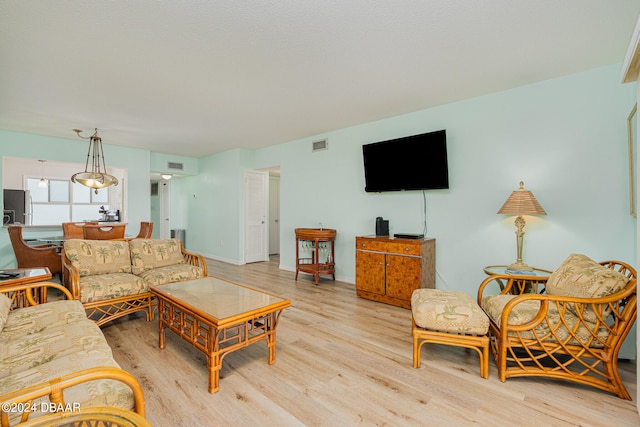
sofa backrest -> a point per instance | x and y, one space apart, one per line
93 257
147 254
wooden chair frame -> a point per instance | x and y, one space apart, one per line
146 228
104 232
479 343
36 256
22 296
75 230
54 390
521 350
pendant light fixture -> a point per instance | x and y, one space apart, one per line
43 182
96 177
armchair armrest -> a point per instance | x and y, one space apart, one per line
195 260
70 276
513 284
22 295
55 387
568 319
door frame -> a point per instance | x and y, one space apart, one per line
265 216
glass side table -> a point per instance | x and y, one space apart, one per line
535 274
502 269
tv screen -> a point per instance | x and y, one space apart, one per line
417 162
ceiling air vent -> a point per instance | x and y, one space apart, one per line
174 165
320 145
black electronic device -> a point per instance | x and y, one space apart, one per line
417 162
408 236
382 226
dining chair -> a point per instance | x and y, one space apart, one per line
73 230
146 228
29 256
104 231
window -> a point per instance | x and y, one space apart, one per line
61 200
64 201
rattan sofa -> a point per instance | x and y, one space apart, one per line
52 353
111 278
568 326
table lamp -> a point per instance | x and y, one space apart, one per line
521 202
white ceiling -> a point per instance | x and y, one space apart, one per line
196 77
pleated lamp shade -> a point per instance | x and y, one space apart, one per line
522 202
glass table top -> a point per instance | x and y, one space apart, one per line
502 269
219 298
38 273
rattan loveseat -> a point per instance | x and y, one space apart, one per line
569 326
50 353
111 278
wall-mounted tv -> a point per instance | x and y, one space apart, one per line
417 162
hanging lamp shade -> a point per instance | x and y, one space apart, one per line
43 182
94 176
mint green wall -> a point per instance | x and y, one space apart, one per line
210 205
159 162
565 138
75 151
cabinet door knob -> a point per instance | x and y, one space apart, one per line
406 249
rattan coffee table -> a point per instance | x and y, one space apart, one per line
218 317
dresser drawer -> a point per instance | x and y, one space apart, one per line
388 246
402 249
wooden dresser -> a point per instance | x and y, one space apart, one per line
389 270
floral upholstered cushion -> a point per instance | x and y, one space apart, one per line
519 315
171 274
93 257
107 286
28 320
5 307
20 353
448 311
553 328
93 393
147 254
579 276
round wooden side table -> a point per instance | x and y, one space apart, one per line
315 252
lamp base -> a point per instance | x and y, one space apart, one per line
519 266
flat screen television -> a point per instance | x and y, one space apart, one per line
417 162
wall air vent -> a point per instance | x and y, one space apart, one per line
323 144
175 165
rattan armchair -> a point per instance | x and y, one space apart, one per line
29 256
549 333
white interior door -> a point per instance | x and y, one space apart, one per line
165 209
274 214
256 192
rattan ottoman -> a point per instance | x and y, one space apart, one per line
451 318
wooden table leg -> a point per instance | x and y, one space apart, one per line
161 342
214 359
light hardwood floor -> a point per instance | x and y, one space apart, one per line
343 361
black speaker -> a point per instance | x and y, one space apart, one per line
382 226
